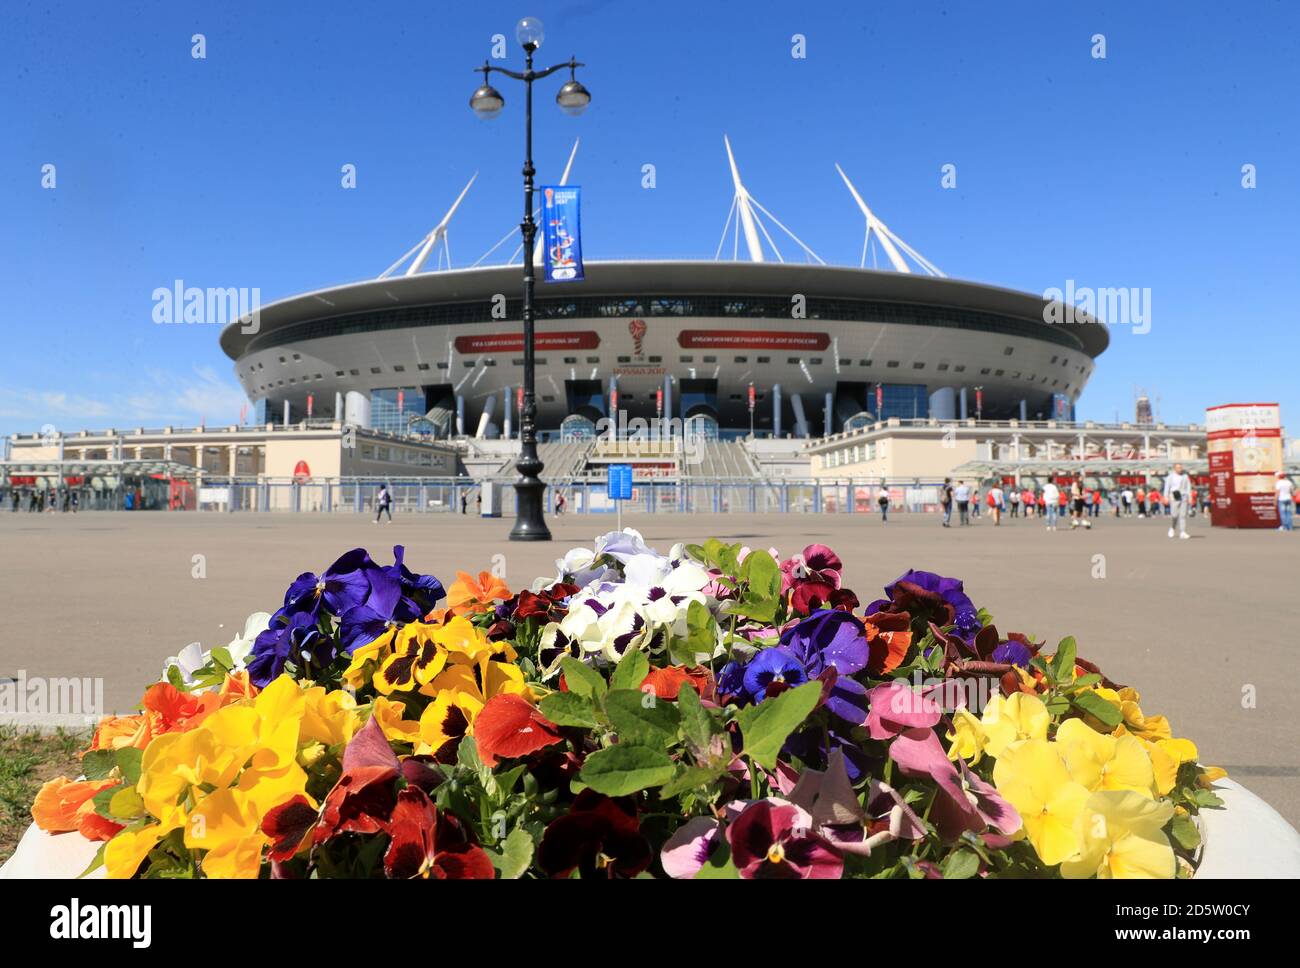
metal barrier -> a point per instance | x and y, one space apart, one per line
440 495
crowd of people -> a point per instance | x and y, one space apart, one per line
1177 499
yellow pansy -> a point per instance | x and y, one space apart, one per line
388 713
968 737
467 644
445 721
124 854
1209 774
1011 720
1121 836
226 826
417 657
328 717
1102 762
1033 778
1145 727
366 658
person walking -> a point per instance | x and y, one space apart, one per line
945 501
996 499
961 494
1078 515
883 501
1285 501
464 502
1095 508
383 502
1013 499
975 501
1027 502
1177 491
1051 497
75 501
559 503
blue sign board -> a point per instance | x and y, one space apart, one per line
620 482
562 232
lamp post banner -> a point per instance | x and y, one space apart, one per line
562 227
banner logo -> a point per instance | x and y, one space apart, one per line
563 233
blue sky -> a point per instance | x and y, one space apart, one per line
225 171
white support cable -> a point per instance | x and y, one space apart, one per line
767 235
725 225
409 252
796 238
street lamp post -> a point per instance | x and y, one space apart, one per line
487 102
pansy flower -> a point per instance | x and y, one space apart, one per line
600 836
774 838
429 843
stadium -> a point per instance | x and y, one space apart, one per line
728 347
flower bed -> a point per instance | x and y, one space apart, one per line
713 712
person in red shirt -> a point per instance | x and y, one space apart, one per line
1095 509
1141 501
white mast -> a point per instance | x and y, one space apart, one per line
890 242
427 244
743 210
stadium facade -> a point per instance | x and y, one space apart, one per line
824 348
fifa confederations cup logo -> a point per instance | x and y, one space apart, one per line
638 330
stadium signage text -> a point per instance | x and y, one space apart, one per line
514 342
751 340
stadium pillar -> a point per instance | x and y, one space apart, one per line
460 416
964 411
668 405
776 411
506 402
338 407
286 413
486 417
827 417
1024 410
800 418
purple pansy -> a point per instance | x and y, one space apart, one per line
838 640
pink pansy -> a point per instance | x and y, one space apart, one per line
688 849
965 801
773 838
817 564
895 708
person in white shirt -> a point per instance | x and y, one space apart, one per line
1015 502
1126 497
1052 503
1177 492
1285 501
996 499
962 495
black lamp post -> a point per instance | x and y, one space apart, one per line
487 102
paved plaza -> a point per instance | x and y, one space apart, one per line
1195 625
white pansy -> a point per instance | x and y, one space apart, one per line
188 661
242 645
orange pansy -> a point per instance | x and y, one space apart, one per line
58 807
470 594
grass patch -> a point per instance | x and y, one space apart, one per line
28 757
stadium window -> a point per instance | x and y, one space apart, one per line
297 356
656 359
517 361
568 359
816 361
793 361
489 362
1054 357
283 360
399 368
918 365
892 364
339 373
593 359
443 366
355 372
469 364
1016 375
422 366
998 372
540 361
686 359
864 362
985 371
959 368
764 359
710 359
741 359
547 399
375 369
735 396
942 367
1008 351
319 377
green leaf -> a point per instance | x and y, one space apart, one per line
126 804
1094 705
641 717
623 769
175 678
766 726
1063 661
220 657
961 865
127 760
103 801
98 764
1183 829
696 724
568 709
582 678
690 778
631 671
96 862
515 855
